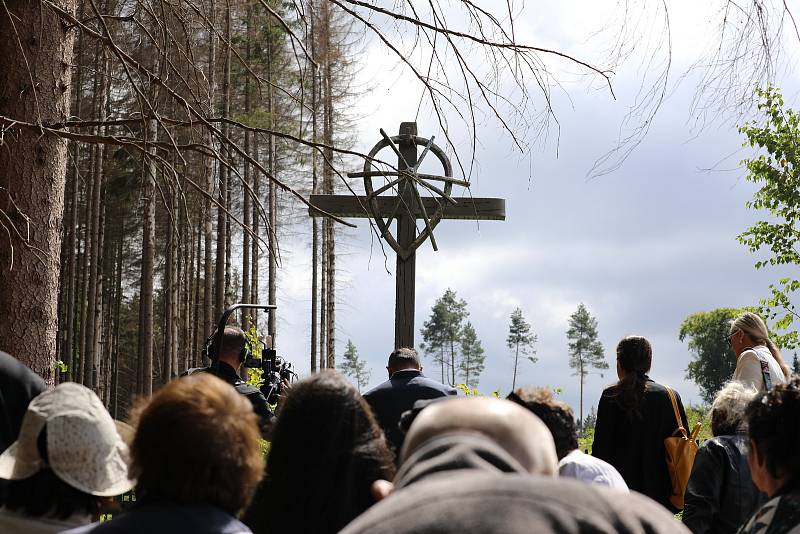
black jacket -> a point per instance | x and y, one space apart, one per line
466 483
18 386
721 496
397 395
253 394
635 446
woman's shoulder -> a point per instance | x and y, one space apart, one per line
609 392
655 389
779 514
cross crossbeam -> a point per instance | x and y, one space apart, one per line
358 207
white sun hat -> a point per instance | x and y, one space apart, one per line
84 447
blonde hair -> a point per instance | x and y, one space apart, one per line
752 325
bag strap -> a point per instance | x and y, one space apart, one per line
765 374
764 370
677 412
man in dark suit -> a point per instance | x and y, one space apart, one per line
405 386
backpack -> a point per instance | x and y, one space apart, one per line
681 450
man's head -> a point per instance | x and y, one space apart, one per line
516 430
231 345
403 358
556 414
197 443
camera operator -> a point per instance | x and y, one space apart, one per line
226 365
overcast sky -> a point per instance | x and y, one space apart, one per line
642 247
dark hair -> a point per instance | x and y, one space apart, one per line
635 356
555 414
404 358
46 495
197 442
232 342
772 425
326 452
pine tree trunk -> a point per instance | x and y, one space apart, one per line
35 62
88 254
246 204
223 260
254 252
314 185
69 341
97 321
170 284
327 177
441 361
323 301
452 363
94 324
516 362
83 299
272 227
72 274
187 277
208 230
148 274
117 313
580 421
199 330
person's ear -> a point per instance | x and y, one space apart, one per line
381 489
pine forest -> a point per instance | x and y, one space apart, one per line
170 219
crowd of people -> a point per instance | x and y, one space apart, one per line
410 456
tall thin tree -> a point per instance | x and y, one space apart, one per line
521 340
585 350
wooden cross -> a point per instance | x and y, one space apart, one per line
405 208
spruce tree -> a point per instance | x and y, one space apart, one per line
521 340
355 367
585 351
441 333
472 356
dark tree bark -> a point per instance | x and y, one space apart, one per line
148 273
223 260
35 62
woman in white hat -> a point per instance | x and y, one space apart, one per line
68 459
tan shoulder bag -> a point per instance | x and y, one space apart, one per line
681 450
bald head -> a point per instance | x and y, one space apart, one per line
515 429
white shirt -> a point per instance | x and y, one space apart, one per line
587 468
748 368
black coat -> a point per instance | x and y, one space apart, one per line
721 495
228 374
397 395
18 386
635 445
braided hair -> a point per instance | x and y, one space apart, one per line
634 356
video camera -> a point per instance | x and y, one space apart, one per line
275 370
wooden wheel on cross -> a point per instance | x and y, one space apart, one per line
404 184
